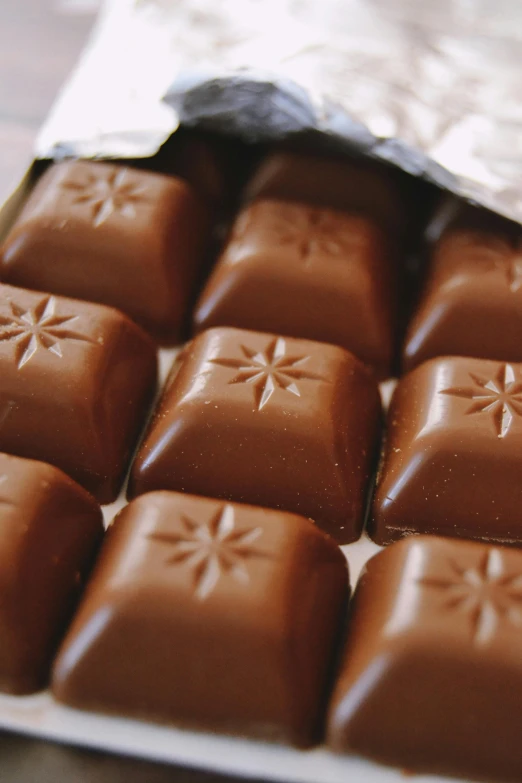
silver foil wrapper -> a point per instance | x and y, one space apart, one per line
430 86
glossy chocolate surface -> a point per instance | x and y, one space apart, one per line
257 418
432 671
114 235
208 614
76 380
354 186
309 272
472 301
49 531
452 458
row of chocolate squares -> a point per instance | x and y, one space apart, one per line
229 618
261 419
314 254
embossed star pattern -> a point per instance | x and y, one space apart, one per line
212 549
318 232
500 397
310 231
107 195
37 327
486 594
269 369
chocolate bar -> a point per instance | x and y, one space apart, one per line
204 612
49 531
307 271
472 300
431 674
211 615
113 235
451 464
76 383
261 419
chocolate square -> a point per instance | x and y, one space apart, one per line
451 464
472 301
210 615
432 671
309 272
114 235
76 380
261 419
49 531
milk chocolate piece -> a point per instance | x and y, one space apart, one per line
432 671
109 234
354 186
49 531
208 614
76 380
472 302
260 419
308 272
452 459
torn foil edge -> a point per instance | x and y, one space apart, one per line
133 110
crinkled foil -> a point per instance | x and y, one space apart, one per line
430 86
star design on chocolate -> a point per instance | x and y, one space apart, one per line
486 594
107 195
315 231
500 397
268 370
37 327
211 549
310 231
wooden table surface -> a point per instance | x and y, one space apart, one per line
39 43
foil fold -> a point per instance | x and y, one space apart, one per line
430 86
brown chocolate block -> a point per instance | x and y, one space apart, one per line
472 301
208 614
308 272
260 419
109 234
432 671
76 380
353 186
451 464
49 531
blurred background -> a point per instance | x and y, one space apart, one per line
40 41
